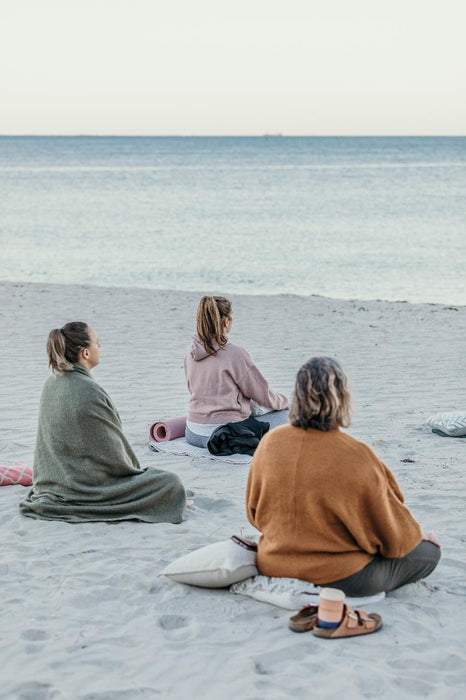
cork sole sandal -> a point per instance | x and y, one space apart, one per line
354 623
305 620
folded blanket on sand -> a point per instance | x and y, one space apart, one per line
290 593
182 447
241 437
17 474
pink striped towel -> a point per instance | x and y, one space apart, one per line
17 474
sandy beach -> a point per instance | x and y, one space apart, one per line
84 615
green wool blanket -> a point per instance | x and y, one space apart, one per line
84 467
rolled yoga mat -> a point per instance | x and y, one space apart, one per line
170 429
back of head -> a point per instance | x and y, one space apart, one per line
322 397
211 315
65 344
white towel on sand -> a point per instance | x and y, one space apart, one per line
181 447
290 593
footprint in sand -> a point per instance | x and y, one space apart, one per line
34 635
34 691
173 622
213 505
261 669
139 693
270 663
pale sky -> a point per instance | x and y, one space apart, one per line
213 67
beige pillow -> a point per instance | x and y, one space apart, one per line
215 566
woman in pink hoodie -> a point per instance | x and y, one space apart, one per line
222 378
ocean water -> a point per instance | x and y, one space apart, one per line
367 218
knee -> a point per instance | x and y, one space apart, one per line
283 415
435 554
430 556
189 439
173 487
177 485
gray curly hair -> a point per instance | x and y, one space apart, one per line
322 396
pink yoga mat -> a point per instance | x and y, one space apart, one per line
170 429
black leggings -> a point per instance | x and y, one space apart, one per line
387 574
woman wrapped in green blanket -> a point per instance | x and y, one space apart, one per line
84 467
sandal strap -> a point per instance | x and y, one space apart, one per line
357 618
310 608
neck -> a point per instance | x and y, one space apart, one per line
85 363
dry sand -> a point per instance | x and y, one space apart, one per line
83 612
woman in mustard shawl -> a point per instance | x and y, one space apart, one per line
329 510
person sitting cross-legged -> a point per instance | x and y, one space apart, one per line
330 512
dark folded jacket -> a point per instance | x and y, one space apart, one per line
241 437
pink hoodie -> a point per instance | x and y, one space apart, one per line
222 385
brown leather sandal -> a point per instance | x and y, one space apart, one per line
355 622
304 620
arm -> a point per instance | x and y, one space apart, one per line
253 488
377 518
251 499
102 440
186 374
429 537
254 386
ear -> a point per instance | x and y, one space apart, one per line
85 353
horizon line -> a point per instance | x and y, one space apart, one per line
275 135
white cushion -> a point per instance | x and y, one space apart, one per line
214 566
453 424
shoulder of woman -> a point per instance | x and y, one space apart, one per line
278 445
355 444
362 453
93 397
238 353
87 385
286 436
369 452
374 468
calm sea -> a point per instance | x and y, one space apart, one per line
347 217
